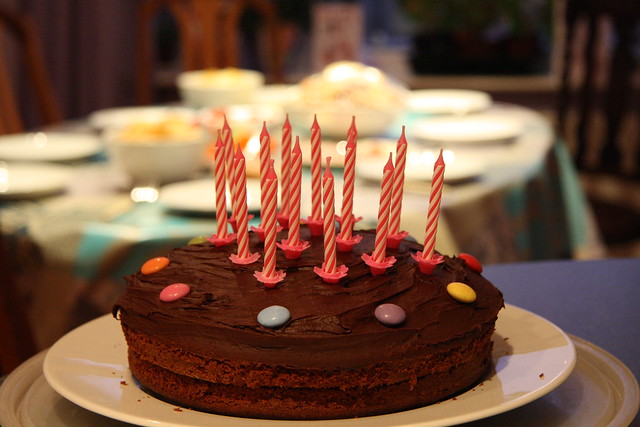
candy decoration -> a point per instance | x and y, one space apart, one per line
314 221
426 259
244 256
293 246
461 292
377 261
285 171
221 238
154 265
472 262
395 235
329 272
274 316
269 276
390 314
197 240
346 241
174 292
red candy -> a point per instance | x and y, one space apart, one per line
472 262
174 292
154 265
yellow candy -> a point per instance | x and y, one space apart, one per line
461 292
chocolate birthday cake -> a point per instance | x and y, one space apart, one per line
306 349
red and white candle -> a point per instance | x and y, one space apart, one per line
329 224
269 276
329 272
378 262
285 171
395 235
316 171
220 183
379 251
346 219
295 188
437 183
244 256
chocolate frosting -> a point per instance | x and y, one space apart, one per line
331 325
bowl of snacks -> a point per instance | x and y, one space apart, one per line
154 153
344 90
218 87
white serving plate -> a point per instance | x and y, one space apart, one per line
198 196
448 101
483 128
419 167
24 180
88 366
48 146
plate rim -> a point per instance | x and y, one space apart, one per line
53 377
92 142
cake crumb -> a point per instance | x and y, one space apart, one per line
177 409
454 398
123 382
541 375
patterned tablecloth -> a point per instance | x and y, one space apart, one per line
72 249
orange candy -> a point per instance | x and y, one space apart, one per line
154 265
472 262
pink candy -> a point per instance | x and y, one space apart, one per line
174 292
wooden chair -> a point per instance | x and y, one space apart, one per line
190 33
599 109
19 33
209 32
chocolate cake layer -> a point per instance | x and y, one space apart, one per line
332 340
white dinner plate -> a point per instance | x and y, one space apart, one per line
601 391
483 128
32 179
448 101
419 167
48 146
123 116
199 196
532 357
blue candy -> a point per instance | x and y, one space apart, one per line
274 316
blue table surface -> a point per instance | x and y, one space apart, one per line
598 301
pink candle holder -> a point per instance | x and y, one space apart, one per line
354 219
393 240
378 268
346 245
270 281
427 265
293 251
283 220
316 226
234 222
222 241
237 259
261 231
334 277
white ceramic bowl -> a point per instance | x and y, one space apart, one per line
215 88
156 161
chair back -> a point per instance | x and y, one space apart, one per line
599 102
210 36
18 34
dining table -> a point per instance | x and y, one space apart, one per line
593 302
74 231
